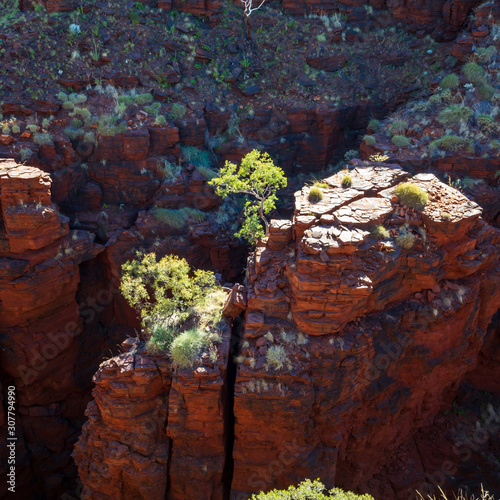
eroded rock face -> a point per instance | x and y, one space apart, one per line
351 344
152 430
40 325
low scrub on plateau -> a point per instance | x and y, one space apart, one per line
411 195
179 309
310 490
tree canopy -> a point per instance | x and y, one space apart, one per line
258 177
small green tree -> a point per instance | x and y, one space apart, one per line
164 291
259 177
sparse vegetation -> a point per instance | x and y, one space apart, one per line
400 141
450 81
369 140
178 218
276 358
411 195
258 177
473 72
180 309
405 240
346 181
451 143
380 233
310 490
315 195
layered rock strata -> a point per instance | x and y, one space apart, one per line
153 432
40 325
351 344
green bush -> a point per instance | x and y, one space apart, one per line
178 218
322 185
154 109
73 132
109 125
142 99
454 114
380 233
160 120
398 126
369 140
162 336
450 81
400 141
374 125
276 358
473 72
487 123
486 91
164 292
195 156
411 195
451 143
315 195
42 138
169 170
405 240
187 346
177 112
346 181
310 490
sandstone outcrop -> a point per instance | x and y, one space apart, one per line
350 344
153 430
40 325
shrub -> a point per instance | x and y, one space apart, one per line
160 120
346 181
369 140
486 54
177 112
208 173
487 123
411 195
454 114
162 336
170 171
486 91
320 184
449 82
109 125
16 129
187 346
25 154
276 358
177 218
400 141
405 240
154 109
142 99
445 216
32 127
198 157
83 112
62 97
398 126
310 490
374 125
68 105
73 132
6 130
451 143
473 72
164 292
315 195
495 144
42 138
380 233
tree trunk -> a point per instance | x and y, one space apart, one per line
248 27
261 215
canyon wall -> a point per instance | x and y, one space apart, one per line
349 346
